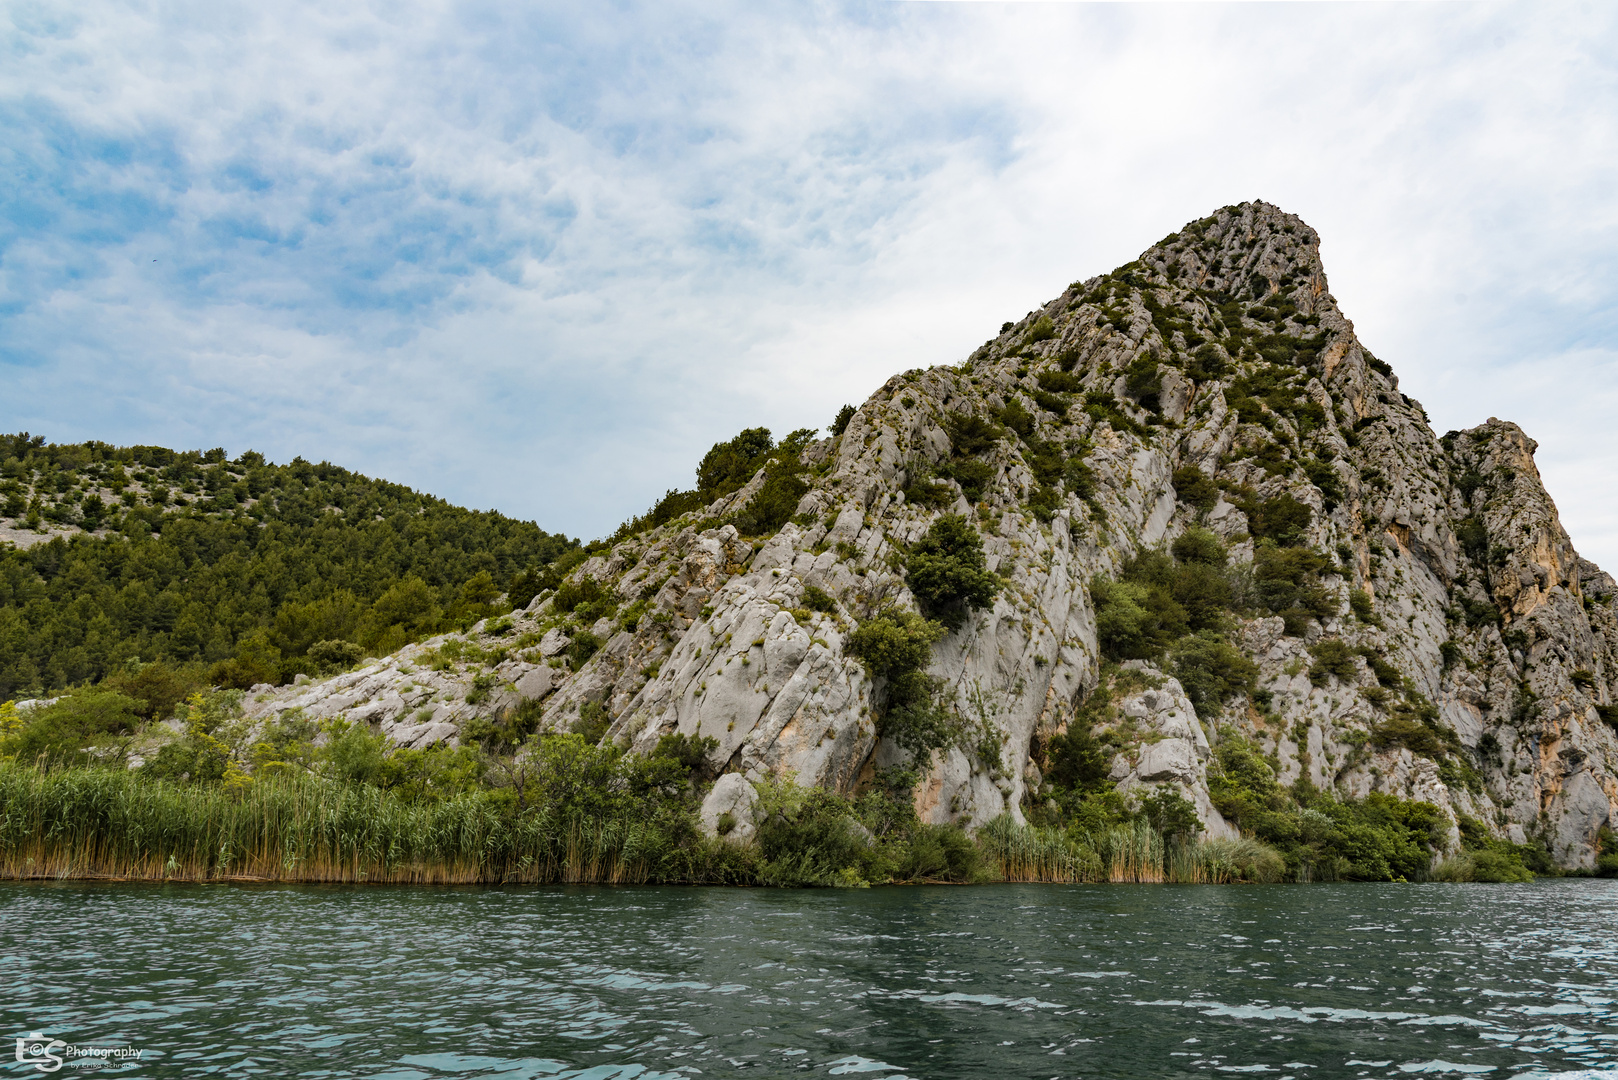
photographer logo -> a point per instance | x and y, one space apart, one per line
49 1055
43 1055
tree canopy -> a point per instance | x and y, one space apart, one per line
198 559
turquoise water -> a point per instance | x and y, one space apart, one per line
998 981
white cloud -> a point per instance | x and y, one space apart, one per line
539 261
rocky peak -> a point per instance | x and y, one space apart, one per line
1246 252
1415 619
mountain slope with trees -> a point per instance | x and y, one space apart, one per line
232 569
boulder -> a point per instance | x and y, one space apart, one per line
732 795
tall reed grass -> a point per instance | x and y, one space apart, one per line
1128 853
108 823
87 823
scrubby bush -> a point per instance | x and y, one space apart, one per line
1378 838
1016 418
970 434
1193 487
896 645
1474 540
728 465
1077 760
1212 670
1045 501
809 836
1059 382
924 492
1171 814
572 595
1160 599
1207 362
945 571
1282 519
1055 404
894 642
1079 478
1042 330
85 725
1104 407
941 853
336 655
777 498
582 646
1287 583
1134 622
1143 382
159 687
817 599
973 475
592 722
1333 660
1199 546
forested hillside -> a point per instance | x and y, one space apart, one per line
232 570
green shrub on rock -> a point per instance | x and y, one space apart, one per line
817 599
894 642
945 571
896 645
336 655
582 647
1333 660
777 498
973 475
1323 838
970 434
1212 670
1016 418
61 733
1199 546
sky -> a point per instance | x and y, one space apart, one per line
537 258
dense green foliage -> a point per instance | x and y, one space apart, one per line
895 645
243 563
1322 837
840 423
1177 605
334 801
945 571
777 498
727 467
971 437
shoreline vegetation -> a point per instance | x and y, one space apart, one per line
99 824
85 796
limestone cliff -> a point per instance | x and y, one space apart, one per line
1200 384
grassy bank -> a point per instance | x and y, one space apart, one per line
105 823
297 800
111 823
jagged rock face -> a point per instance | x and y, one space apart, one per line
1170 748
1219 350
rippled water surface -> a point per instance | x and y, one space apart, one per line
999 981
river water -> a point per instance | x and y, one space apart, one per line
935 982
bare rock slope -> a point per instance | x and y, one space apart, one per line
1435 635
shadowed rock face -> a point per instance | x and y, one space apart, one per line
1219 350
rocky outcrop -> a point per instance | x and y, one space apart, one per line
729 809
1169 748
1200 384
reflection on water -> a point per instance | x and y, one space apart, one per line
1001 981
